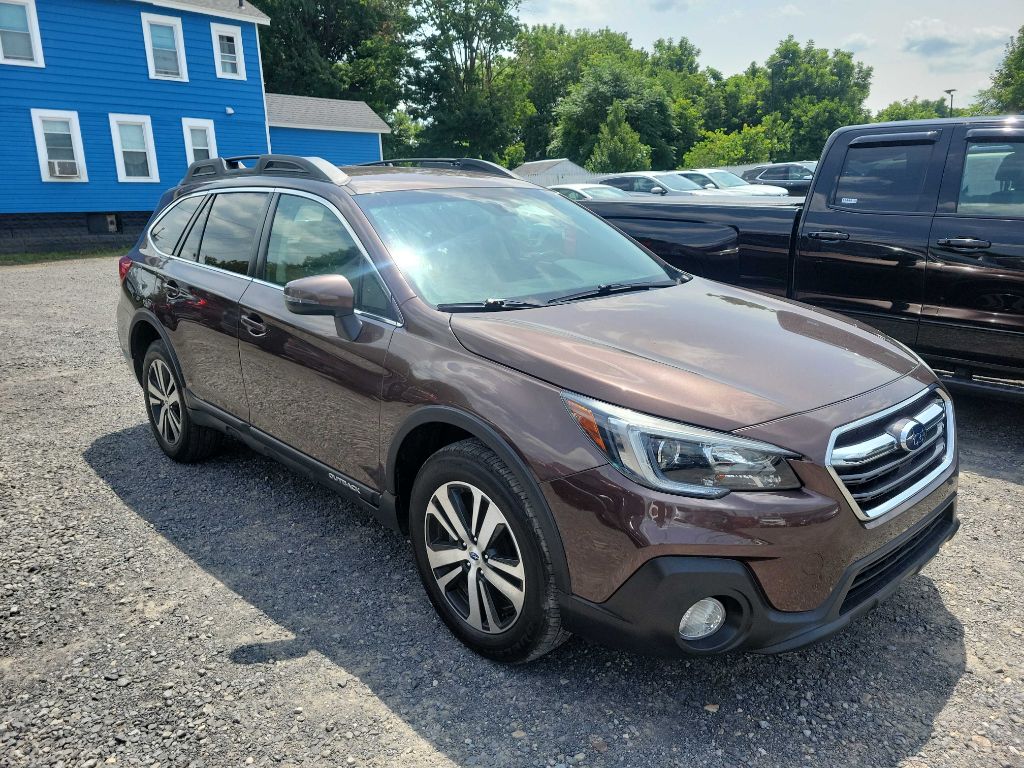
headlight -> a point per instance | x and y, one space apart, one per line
677 458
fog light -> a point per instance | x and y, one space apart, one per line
705 617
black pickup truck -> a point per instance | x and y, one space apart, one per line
916 228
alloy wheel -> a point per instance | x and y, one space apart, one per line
164 401
474 557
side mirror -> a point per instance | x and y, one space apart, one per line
325 295
709 185
658 190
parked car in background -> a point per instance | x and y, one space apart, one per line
576 436
662 183
590 192
794 177
916 228
725 181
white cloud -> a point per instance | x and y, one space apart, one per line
790 10
857 43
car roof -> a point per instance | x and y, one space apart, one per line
364 180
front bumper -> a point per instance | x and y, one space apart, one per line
643 614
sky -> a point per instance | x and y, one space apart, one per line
916 48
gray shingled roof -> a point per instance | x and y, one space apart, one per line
325 114
224 8
538 166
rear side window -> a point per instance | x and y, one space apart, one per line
777 174
993 180
624 183
883 178
232 226
166 233
307 238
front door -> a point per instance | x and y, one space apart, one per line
201 289
863 243
974 305
309 386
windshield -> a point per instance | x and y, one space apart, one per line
470 245
604 192
677 183
726 179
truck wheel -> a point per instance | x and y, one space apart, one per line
481 555
177 436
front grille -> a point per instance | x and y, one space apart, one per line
882 571
884 460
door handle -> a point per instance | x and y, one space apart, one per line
172 290
254 324
828 236
964 243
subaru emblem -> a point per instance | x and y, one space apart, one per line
911 435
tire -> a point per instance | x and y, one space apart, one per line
177 435
505 561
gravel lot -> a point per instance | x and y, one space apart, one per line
234 614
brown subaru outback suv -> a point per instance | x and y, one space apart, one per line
575 436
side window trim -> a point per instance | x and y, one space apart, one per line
198 219
259 274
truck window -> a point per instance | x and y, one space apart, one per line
993 180
883 178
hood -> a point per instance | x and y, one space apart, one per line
765 189
701 353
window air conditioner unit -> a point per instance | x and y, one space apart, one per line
63 169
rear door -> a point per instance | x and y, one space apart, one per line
863 242
201 286
973 312
308 386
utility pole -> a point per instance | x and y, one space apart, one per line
950 92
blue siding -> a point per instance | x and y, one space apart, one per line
338 147
96 65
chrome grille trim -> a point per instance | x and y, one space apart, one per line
842 463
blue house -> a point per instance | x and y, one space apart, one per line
104 103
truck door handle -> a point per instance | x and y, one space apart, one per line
827 235
964 243
254 324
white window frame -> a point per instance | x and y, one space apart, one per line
187 124
216 30
147 130
38 115
179 44
33 32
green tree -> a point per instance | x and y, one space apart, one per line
464 87
618 147
404 139
341 49
549 60
587 104
1006 95
913 109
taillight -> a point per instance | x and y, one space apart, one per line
123 265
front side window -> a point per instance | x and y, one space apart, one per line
993 180
165 47
232 227
200 139
229 60
471 245
19 34
307 238
166 233
883 178
134 152
59 145
624 183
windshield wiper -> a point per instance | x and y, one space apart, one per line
490 305
608 289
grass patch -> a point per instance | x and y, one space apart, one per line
17 259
